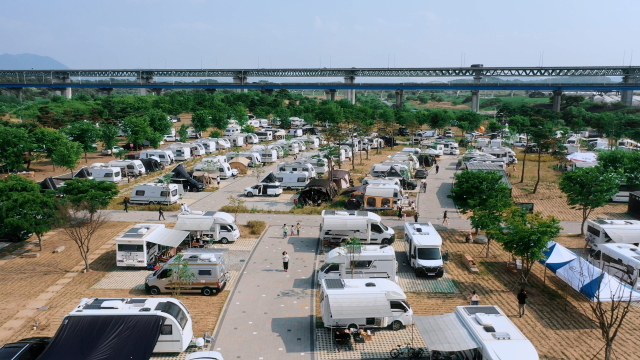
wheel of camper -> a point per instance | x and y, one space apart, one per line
224 240
417 353
396 325
154 290
440 273
249 194
384 242
208 291
394 353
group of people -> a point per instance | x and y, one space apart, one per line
285 229
474 299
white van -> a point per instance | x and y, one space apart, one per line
155 193
618 260
139 245
210 225
423 249
369 262
604 231
293 179
340 225
209 267
175 331
208 144
106 173
128 167
364 303
264 189
299 165
165 156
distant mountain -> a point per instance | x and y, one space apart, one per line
28 62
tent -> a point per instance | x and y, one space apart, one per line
581 275
587 157
240 163
340 177
269 179
317 191
151 165
181 176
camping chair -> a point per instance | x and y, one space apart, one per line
208 339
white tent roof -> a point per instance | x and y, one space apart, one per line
588 157
444 333
351 306
169 237
625 236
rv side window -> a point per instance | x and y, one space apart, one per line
174 192
130 167
177 313
397 305
302 179
593 231
363 264
371 202
279 179
294 169
595 254
139 192
166 330
609 259
163 193
204 272
385 202
108 174
161 156
117 174
130 248
327 268
225 228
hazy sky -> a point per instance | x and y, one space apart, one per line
241 34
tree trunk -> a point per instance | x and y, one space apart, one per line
585 215
607 351
535 188
85 156
39 241
488 247
85 257
524 159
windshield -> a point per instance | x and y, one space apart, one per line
384 227
428 254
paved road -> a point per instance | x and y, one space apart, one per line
270 312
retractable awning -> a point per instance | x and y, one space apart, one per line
622 235
193 224
351 306
170 237
444 333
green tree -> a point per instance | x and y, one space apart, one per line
589 188
494 126
439 118
543 133
521 125
181 275
84 133
282 114
626 163
351 249
526 236
249 129
25 209
469 121
240 114
14 142
48 140
201 121
89 194
107 136
136 128
423 98
182 133
236 204
67 155
159 122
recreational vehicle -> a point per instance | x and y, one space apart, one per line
451 148
208 144
264 135
266 155
289 145
619 260
140 245
423 249
105 173
192 134
209 225
301 144
236 139
603 231
348 153
213 163
181 151
623 194
295 132
208 266
311 142
299 165
253 157
155 193
364 303
232 130
381 196
365 262
90 328
164 156
293 179
222 143
128 167
338 226
250 138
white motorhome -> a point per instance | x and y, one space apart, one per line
210 225
299 165
232 130
364 303
293 179
181 151
382 196
215 163
619 260
266 155
155 193
165 156
141 244
604 231
128 167
174 335
338 226
412 151
424 249
209 267
105 173
369 262
208 144
254 158
451 148
264 135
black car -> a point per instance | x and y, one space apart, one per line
421 173
403 131
25 349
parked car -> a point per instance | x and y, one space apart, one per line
234 172
112 151
205 355
403 131
171 138
520 144
25 349
421 173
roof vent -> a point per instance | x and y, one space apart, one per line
489 329
370 284
143 230
483 319
501 336
145 309
112 304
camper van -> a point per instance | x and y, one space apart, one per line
451 148
128 167
299 165
264 135
381 196
164 156
210 225
423 249
603 231
253 157
264 189
141 244
208 144
293 179
208 266
619 260
105 173
155 193
364 303
181 151
87 320
369 262
340 225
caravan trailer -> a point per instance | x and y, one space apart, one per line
293 179
264 135
164 156
236 139
155 193
267 155
105 173
423 249
181 151
381 196
618 260
290 145
140 245
338 226
208 144
128 167
364 303
221 143
369 262
299 165
604 231
253 157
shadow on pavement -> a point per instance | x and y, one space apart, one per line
294 332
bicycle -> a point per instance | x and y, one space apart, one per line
407 351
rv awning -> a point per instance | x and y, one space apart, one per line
622 235
170 237
193 224
351 306
444 333
112 337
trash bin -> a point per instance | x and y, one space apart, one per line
445 256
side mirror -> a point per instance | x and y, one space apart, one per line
413 256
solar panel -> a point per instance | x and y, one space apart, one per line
334 284
133 233
209 213
137 301
490 310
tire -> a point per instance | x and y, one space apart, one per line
249 194
417 353
396 325
384 242
353 326
207 291
440 273
411 353
154 290
224 240
394 353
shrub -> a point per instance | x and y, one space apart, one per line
256 226
232 209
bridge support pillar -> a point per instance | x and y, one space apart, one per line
157 91
350 94
240 79
332 94
399 95
105 91
557 100
626 96
19 93
66 92
144 79
475 100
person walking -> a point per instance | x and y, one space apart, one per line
522 301
292 229
404 216
160 213
399 212
218 181
437 168
285 231
415 216
474 299
298 228
445 218
285 261
126 204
